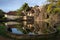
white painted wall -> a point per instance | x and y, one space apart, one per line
12 16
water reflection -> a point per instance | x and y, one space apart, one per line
15 30
29 27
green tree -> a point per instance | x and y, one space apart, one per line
54 6
1 14
25 7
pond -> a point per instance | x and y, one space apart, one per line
16 31
29 27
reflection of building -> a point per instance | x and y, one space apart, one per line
40 27
11 23
28 25
37 27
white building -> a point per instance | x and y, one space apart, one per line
12 17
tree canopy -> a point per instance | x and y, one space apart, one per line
1 13
54 6
25 7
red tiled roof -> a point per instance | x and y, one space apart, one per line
12 13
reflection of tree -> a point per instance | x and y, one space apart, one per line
38 27
53 9
42 27
24 28
9 29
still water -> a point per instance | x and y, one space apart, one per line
29 27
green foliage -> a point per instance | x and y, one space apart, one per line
25 7
3 30
56 10
2 18
54 6
49 9
58 4
1 14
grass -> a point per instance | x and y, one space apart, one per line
2 30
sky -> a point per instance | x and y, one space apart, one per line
12 5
